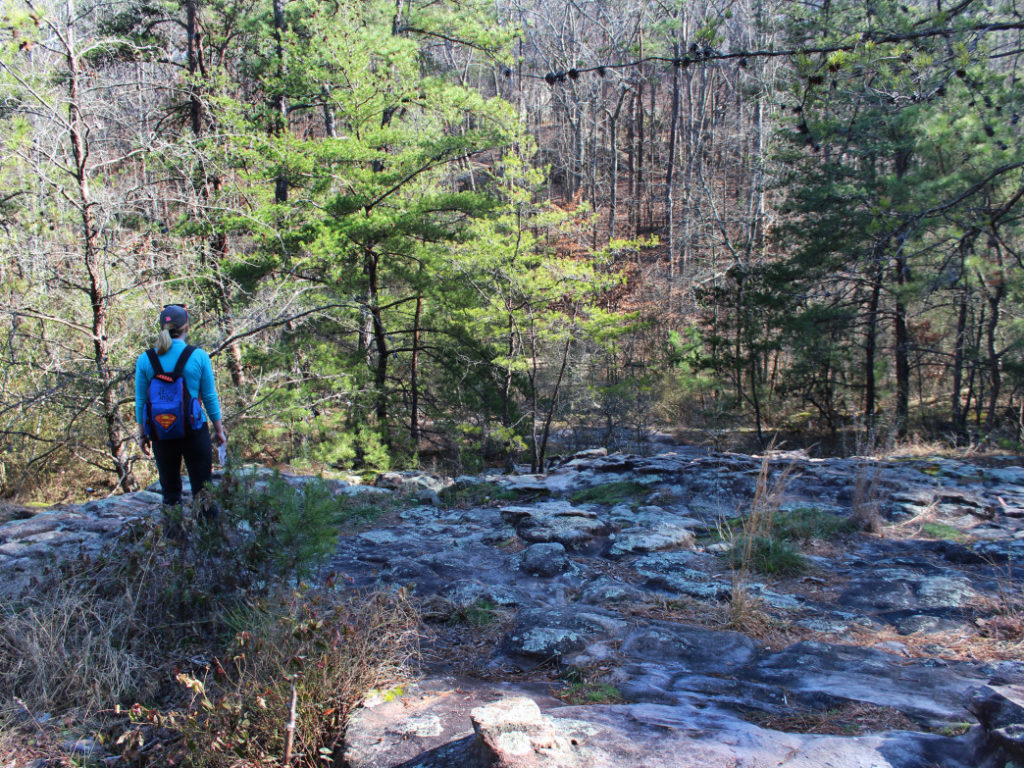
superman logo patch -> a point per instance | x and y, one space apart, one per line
165 420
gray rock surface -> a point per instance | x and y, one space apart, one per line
545 560
1000 710
632 592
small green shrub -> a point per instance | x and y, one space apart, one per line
808 523
1009 444
92 634
100 633
766 554
476 495
943 531
591 693
610 493
364 507
582 687
294 528
277 530
769 543
952 730
480 613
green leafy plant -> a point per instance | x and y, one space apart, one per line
274 528
766 554
481 612
809 523
476 494
582 686
943 531
610 493
591 693
94 633
952 730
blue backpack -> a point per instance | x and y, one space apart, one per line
171 412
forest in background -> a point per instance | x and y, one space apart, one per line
462 233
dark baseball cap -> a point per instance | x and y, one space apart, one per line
175 315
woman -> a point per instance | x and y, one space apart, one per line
195 447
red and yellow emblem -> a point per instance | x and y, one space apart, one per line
165 420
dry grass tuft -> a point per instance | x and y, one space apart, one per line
464 638
867 506
745 613
963 644
872 444
1005 622
285 688
1004 628
749 616
72 647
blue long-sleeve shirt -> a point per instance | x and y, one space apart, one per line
198 377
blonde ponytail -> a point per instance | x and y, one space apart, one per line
163 341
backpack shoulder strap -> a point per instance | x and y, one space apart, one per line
155 362
179 367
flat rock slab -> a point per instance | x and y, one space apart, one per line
443 724
551 635
555 521
1000 710
689 648
888 589
428 715
933 692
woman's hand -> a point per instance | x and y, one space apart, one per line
219 435
144 442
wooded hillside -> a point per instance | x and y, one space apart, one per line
414 231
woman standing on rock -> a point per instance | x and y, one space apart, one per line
170 383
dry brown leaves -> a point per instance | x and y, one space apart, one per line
848 719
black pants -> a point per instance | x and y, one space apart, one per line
197 451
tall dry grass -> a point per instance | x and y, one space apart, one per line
283 691
84 640
745 609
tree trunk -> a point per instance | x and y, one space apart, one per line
330 127
755 399
506 396
219 240
959 414
194 103
670 170
641 130
414 420
219 246
972 377
871 345
993 361
542 451
902 351
651 159
380 339
535 458
613 125
98 299
280 102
